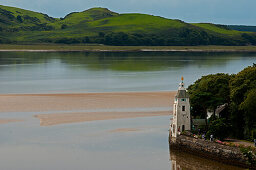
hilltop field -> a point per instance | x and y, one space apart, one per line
102 26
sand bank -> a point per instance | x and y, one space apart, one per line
4 121
55 119
71 108
124 130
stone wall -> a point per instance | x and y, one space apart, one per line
211 150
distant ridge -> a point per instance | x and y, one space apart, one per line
242 28
102 26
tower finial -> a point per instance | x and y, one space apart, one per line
182 78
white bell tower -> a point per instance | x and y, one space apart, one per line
181 111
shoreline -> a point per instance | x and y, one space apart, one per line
210 150
102 48
141 50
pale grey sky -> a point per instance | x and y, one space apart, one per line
215 11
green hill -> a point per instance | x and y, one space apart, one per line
102 26
87 16
16 19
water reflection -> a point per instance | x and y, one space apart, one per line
122 61
65 72
184 161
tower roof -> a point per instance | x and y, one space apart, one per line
182 94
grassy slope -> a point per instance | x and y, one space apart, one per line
217 29
87 15
136 22
42 18
92 21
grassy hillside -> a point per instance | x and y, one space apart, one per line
87 16
221 29
136 22
102 26
16 19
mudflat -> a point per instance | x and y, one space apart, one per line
53 109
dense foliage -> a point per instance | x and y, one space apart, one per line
242 28
209 92
238 91
242 93
102 26
218 127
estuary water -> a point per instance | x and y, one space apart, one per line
76 72
133 143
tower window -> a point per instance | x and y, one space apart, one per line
183 128
183 100
183 108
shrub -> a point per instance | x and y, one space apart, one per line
64 26
218 128
250 155
19 19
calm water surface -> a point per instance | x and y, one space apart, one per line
101 144
69 72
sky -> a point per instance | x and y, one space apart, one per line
239 12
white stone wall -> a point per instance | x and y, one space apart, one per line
180 118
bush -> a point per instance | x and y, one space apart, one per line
64 26
218 128
249 154
19 19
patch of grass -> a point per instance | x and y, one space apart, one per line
217 29
137 22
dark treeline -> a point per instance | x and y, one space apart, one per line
242 28
181 37
238 91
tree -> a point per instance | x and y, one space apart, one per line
241 85
209 92
248 106
219 128
19 19
64 26
101 34
86 40
238 91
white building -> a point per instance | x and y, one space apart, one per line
218 111
181 112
